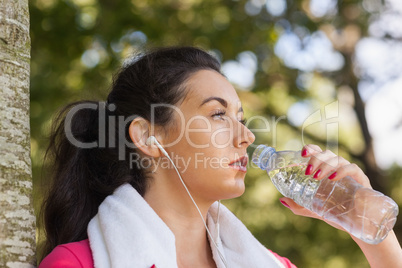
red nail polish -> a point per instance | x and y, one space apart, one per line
153 266
284 203
332 176
309 169
317 174
304 152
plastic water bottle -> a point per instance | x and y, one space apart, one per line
365 213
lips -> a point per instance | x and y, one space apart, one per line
240 164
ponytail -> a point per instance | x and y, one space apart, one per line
83 174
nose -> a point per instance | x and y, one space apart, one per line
244 137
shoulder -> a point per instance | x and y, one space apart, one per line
75 254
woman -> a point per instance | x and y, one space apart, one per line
118 201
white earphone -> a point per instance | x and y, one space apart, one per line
153 141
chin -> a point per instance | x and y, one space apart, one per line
235 190
240 191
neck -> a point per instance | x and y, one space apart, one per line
171 202
167 195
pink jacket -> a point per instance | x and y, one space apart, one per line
79 255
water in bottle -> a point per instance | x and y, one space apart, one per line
365 213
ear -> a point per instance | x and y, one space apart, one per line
139 133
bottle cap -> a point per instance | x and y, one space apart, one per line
261 156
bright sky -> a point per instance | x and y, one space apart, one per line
381 64
384 116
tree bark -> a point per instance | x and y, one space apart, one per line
17 220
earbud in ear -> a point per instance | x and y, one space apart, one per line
151 140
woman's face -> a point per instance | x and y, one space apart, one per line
208 139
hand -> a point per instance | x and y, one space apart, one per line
388 253
326 164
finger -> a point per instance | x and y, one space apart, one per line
301 211
316 160
310 149
353 171
327 167
297 209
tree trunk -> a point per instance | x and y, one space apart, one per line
17 220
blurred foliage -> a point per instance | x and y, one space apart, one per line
77 46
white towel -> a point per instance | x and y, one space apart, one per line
127 232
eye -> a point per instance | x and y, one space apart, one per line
219 114
243 121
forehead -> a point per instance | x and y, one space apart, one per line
207 83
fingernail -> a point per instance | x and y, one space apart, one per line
333 175
317 174
153 266
284 203
304 152
309 169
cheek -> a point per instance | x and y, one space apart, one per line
209 135
198 133
198 140
222 137
205 174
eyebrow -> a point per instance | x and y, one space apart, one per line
220 100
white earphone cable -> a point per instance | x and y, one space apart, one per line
192 199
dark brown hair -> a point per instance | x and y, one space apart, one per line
83 177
